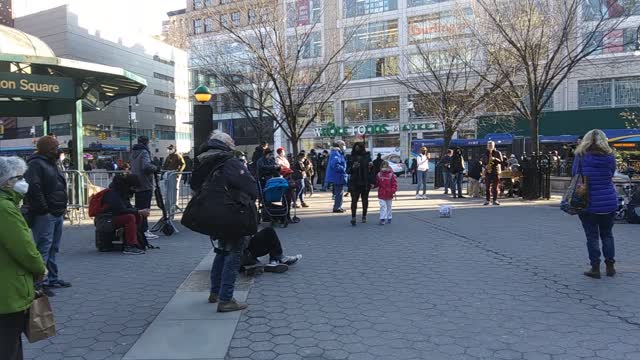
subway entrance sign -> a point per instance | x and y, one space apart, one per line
36 86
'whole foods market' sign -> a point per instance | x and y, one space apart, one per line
36 86
373 129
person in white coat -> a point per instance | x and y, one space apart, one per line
423 169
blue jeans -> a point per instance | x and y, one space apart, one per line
337 193
47 232
446 176
456 182
300 190
599 228
225 270
422 182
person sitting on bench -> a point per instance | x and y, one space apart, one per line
117 202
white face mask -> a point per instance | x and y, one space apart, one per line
21 187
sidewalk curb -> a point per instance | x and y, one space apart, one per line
188 327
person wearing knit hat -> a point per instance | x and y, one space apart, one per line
20 262
46 203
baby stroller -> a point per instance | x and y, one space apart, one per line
273 202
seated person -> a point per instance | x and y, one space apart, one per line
117 202
266 242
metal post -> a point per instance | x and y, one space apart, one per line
130 125
46 125
78 149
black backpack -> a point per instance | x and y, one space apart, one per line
220 211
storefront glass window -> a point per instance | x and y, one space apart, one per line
376 35
385 109
386 141
356 111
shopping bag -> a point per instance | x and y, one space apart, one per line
576 198
41 323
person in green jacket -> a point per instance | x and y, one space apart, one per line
20 261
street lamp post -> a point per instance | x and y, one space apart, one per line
410 108
132 117
202 117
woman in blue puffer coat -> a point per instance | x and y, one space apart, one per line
595 160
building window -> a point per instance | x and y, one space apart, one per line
627 91
164 61
435 26
224 21
163 132
303 12
607 9
164 94
164 111
208 25
376 35
411 3
207 3
312 48
323 115
222 2
377 109
163 77
197 4
594 93
252 16
616 41
197 26
235 18
372 68
354 8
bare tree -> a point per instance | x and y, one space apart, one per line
442 77
533 45
279 69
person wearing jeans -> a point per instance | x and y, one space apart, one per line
337 174
224 272
142 167
422 167
595 160
445 163
457 171
46 202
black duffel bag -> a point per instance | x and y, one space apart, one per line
221 211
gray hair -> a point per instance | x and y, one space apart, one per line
11 167
224 137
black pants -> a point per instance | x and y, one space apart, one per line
265 242
143 201
356 193
414 177
491 182
11 328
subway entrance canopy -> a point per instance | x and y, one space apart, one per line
36 83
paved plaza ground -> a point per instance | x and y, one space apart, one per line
489 283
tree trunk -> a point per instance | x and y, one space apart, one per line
535 132
448 134
295 144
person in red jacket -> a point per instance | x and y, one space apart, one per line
387 185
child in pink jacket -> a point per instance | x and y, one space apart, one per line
387 185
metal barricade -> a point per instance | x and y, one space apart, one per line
176 200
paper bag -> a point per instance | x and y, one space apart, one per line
41 323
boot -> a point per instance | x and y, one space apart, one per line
353 221
232 305
213 298
594 272
364 219
611 269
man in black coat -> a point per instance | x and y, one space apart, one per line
46 202
218 151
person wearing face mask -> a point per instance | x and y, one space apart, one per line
46 203
117 202
337 174
174 161
20 262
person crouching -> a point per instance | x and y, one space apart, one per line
117 202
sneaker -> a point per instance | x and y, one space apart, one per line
425 197
58 284
213 298
129 250
232 305
290 260
496 202
276 267
388 221
381 222
149 235
418 197
486 203
46 290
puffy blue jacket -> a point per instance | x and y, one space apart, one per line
337 169
599 170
